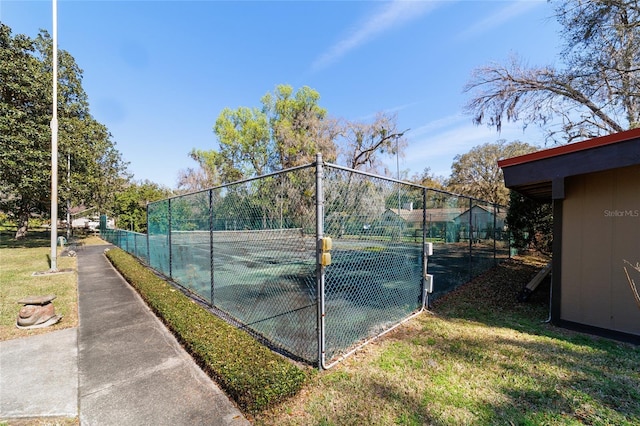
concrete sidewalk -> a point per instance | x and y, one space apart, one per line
125 369
39 375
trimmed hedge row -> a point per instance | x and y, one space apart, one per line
254 376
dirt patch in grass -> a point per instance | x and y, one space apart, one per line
41 421
91 240
493 296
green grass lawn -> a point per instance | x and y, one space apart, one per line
478 358
18 261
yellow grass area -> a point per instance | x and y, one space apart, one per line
42 421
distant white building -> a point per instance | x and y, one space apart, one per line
88 219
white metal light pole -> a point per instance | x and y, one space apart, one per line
69 196
54 145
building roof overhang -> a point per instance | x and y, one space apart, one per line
541 175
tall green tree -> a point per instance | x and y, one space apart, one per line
130 204
288 130
299 126
477 174
428 179
206 175
24 126
97 168
593 92
246 148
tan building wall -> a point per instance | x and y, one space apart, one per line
600 238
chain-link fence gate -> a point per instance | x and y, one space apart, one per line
253 251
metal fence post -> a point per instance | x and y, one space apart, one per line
495 232
169 235
470 239
319 267
148 229
509 242
211 243
423 293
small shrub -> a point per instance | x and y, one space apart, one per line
254 376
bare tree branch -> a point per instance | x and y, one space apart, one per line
597 90
364 142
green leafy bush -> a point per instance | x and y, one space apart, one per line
254 376
531 223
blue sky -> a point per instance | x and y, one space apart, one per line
158 73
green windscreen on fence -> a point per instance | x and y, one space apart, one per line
158 235
264 258
190 248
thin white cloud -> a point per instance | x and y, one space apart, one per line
435 144
505 14
392 15
448 142
440 123
390 111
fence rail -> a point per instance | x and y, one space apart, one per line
252 249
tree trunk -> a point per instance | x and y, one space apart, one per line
23 225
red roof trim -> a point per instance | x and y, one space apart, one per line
572 147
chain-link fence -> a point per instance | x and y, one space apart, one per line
131 242
375 277
253 251
469 236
